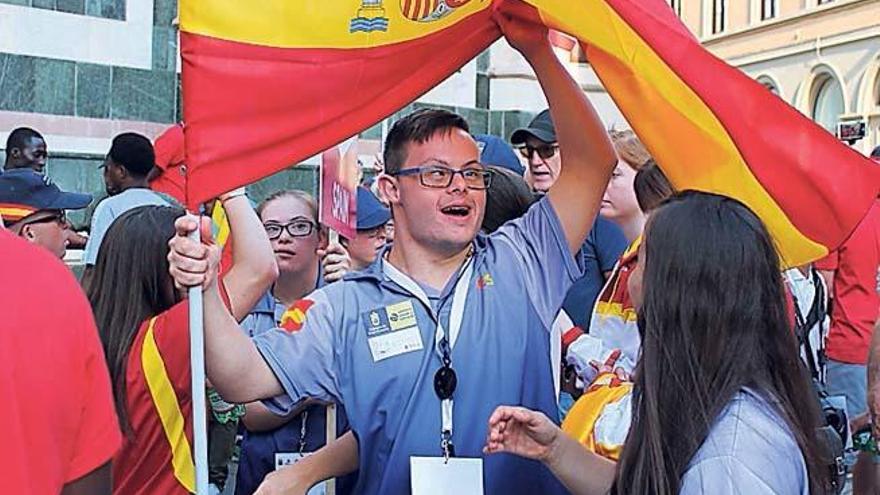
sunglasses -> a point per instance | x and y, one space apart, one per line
544 151
60 217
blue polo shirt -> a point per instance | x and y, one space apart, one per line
502 356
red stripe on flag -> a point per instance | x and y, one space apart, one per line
262 126
407 4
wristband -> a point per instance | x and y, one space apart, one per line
232 194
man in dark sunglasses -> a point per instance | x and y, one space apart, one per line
538 146
32 207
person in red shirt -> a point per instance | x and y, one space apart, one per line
851 271
143 323
60 430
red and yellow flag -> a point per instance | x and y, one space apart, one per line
267 87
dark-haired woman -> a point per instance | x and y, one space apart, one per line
720 405
143 323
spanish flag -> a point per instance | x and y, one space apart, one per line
269 86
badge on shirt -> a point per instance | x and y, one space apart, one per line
392 330
439 476
287 458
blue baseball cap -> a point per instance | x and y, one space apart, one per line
495 151
371 213
24 192
541 127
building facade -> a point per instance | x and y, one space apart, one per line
821 56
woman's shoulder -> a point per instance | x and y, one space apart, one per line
750 449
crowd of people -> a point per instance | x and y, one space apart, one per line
562 321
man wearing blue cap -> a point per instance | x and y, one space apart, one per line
372 216
33 208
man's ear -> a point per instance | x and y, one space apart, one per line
388 188
15 152
28 233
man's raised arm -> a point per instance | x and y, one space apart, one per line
587 154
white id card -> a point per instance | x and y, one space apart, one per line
285 459
436 476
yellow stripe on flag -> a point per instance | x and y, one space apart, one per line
221 223
325 24
680 131
165 400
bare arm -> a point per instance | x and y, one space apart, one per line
586 152
530 434
235 367
96 482
337 458
253 264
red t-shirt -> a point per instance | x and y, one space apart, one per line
856 302
156 458
58 419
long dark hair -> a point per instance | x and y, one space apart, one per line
712 321
130 284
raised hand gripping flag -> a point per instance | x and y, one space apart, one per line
267 86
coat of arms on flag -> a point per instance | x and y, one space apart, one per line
429 10
293 319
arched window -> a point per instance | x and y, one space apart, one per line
769 83
828 103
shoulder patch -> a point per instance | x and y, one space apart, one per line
295 317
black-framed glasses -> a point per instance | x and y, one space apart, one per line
58 216
296 228
440 177
545 151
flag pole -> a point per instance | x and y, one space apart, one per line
197 362
330 484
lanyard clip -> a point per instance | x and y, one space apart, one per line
446 446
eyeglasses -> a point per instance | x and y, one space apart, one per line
545 151
296 228
438 176
59 217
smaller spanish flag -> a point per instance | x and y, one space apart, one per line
293 319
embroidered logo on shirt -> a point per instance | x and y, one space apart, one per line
485 280
295 317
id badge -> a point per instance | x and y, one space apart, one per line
437 476
287 458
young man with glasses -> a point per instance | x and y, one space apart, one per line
33 208
446 324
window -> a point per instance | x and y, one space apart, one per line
676 7
822 2
719 16
768 9
828 103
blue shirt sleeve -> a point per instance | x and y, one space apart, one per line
609 243
101 221
541 254
303 360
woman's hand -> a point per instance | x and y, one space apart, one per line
608 367
523 432
335 261
289 480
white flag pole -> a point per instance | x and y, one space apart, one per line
197 362
330 484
